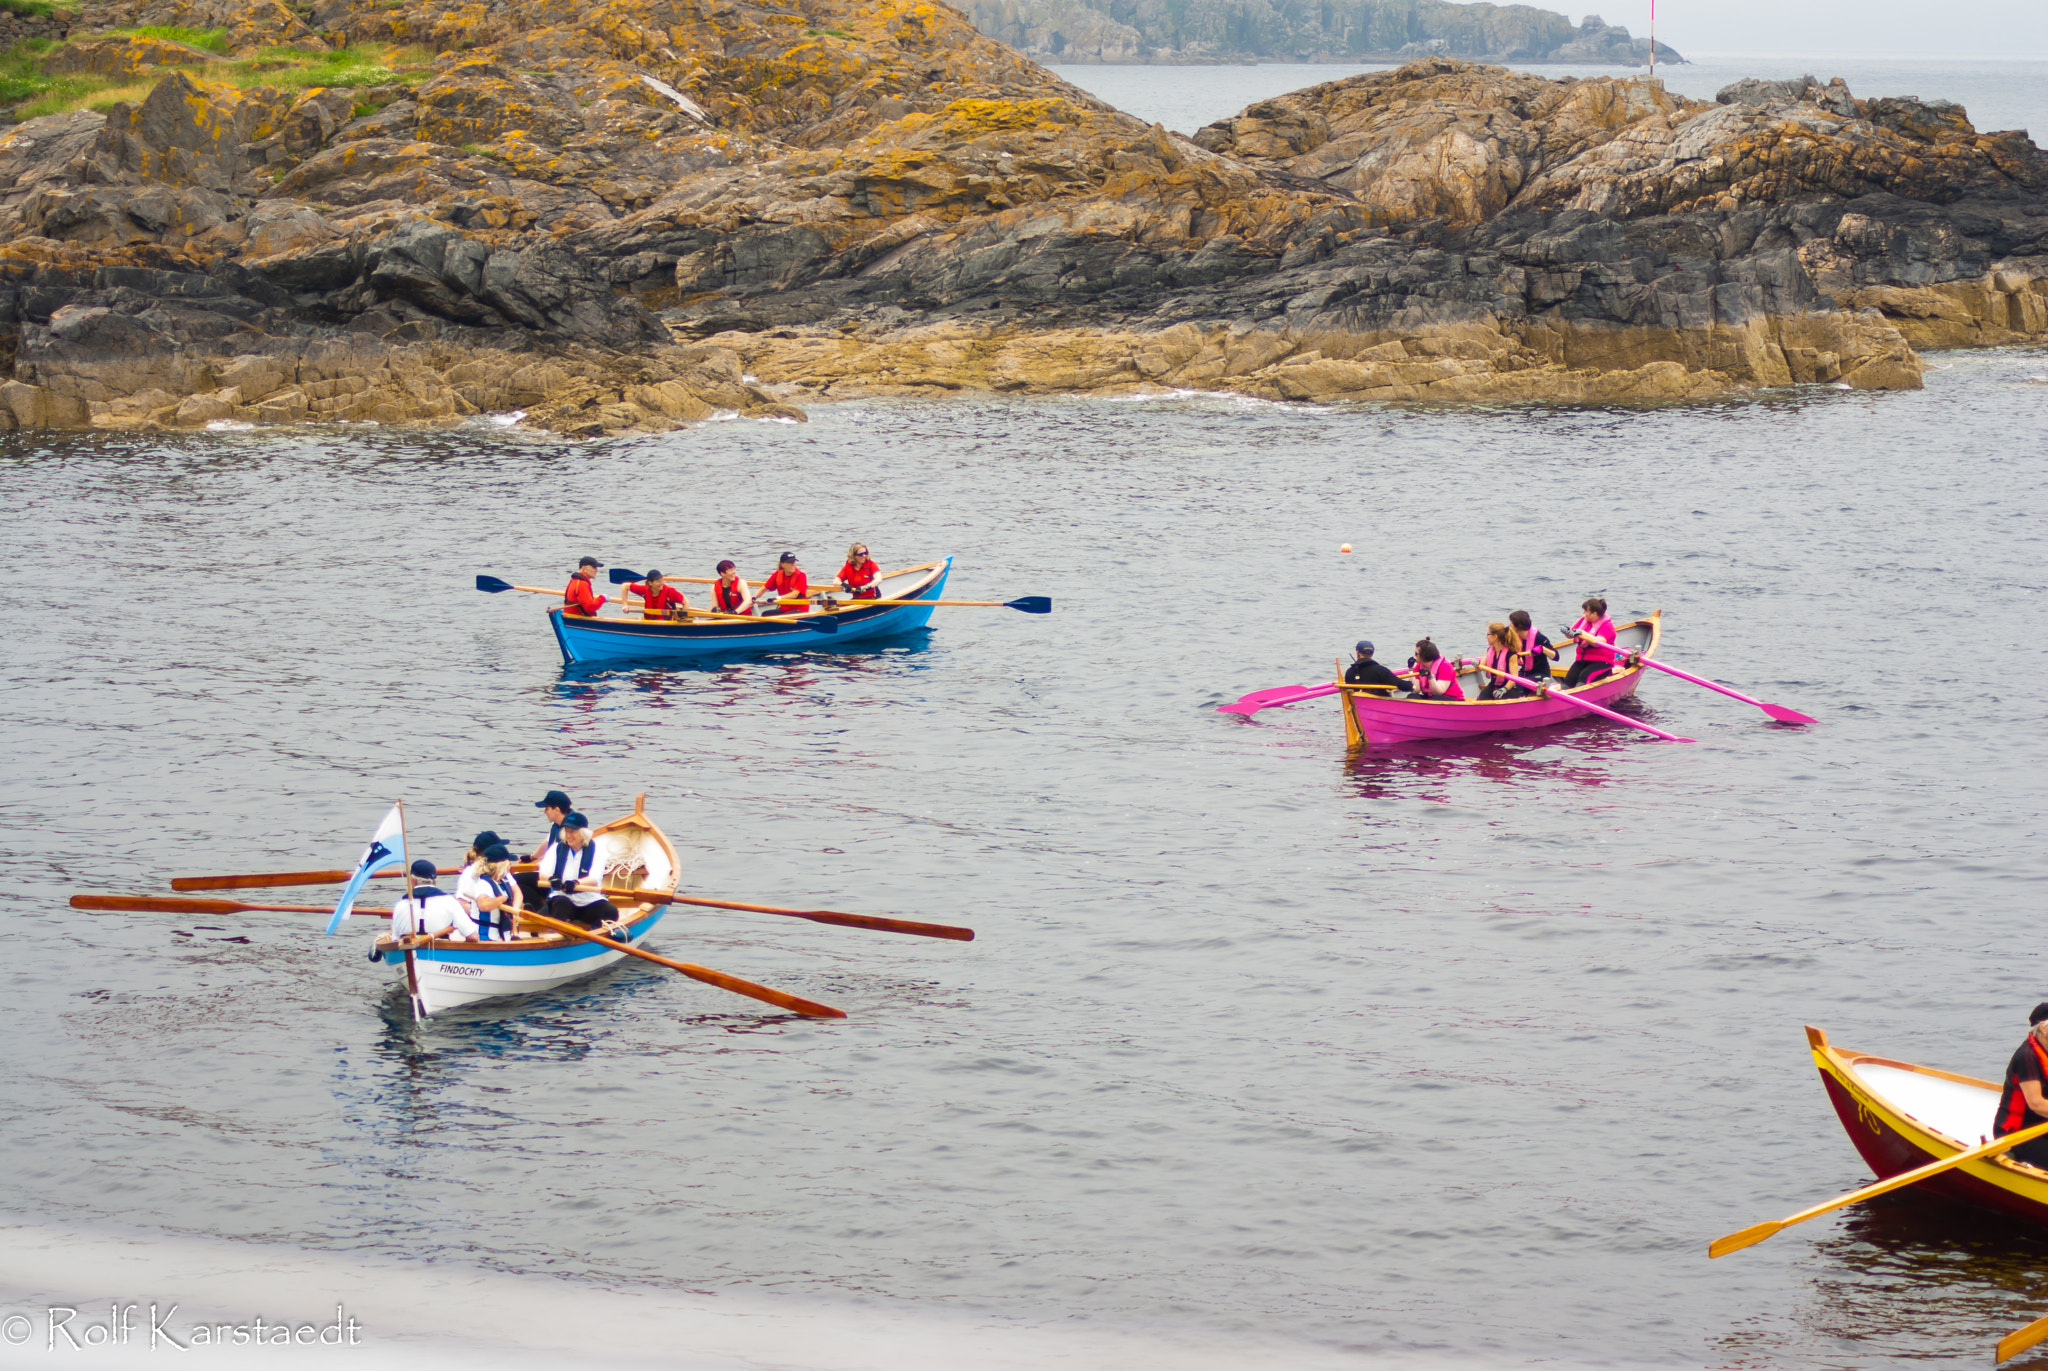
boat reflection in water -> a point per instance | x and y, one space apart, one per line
1577 752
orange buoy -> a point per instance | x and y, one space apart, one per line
1345 548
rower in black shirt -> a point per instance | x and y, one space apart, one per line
556 805
2022 1104
1364 671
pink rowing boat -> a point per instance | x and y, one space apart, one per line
1371 719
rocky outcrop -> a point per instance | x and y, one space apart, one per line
1194 31
609 218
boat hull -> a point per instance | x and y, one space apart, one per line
1891 1137
587 640
1373 720
453 977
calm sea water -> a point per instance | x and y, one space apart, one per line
1458 1053
1999 93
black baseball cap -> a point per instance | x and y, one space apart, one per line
786 557
497 852
589 561
1365 646
574 820
425 870
556 799
653 576
484 840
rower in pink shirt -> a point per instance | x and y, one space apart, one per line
1435 678
1595 658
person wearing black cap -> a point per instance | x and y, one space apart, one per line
1364 671
659 599
556 805
575 876
428 909
577 596
787 582
2022 1104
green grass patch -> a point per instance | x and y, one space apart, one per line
836 33
206 40
41 9
29 94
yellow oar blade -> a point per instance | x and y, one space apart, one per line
1748 1237
2012 1344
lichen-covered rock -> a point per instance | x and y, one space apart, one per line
606 218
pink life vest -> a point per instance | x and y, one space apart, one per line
1500 659
1603 629
1442 670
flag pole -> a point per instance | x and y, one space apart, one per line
1653 42
413 921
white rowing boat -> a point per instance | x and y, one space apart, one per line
448 973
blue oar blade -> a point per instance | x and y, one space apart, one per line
820 623
1031 604
491 585
620 575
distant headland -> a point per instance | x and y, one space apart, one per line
1176 32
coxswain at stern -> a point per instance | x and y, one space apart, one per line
578 597
575 877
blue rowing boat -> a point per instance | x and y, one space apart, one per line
585 639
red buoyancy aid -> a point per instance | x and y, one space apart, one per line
2014 1117
1442 670
1603 629
729 597
861 578
794 584
657 605
580 598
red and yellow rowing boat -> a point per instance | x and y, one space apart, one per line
1901 1115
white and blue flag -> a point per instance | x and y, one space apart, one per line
387 847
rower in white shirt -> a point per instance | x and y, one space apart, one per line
574 874
487 890
428 909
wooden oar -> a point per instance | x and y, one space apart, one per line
2018 1341
1749 1237
1781 713
816 916
164 904
781 999
267 880
1550 694
491 585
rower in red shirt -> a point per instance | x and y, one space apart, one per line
859 574
577 596
786 582
659 599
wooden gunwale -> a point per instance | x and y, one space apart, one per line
469 948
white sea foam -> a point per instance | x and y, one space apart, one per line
439 1315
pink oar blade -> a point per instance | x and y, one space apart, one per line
1276 695
1778 712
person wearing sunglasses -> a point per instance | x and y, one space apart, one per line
859 576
